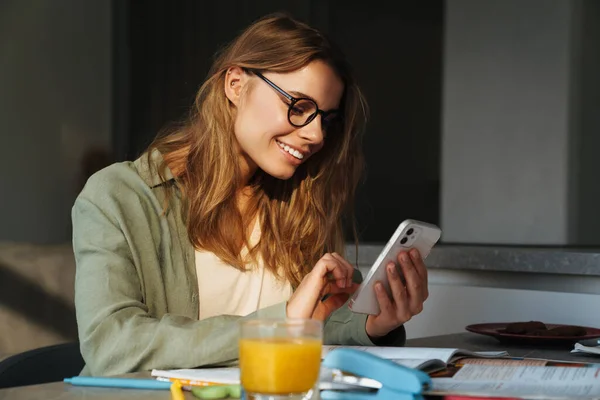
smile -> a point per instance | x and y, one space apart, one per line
290 150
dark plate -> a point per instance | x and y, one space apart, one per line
492 330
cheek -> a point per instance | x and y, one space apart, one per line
263 114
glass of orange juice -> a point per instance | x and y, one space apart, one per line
280 358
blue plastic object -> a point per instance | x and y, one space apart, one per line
397 382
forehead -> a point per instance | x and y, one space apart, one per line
316 80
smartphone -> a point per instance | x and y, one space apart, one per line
410 234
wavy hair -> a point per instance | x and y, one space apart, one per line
300 218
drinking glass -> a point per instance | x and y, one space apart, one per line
280 358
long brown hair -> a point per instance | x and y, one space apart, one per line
300 218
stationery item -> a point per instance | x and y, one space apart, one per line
127 383
396 381
280 358
200 376
422 358
176 393
580 348
218 392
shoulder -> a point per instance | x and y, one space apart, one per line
125 184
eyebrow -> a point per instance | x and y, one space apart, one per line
298 95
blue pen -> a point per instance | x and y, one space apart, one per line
127 383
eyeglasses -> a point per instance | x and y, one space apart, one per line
303 110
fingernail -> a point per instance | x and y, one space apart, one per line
379 287
415 254
405 257
392 269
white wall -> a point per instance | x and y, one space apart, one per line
458 299
55 102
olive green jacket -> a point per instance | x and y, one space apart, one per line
136 290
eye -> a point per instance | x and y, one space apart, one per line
302 108
297 110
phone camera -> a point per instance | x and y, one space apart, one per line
404 240
410 232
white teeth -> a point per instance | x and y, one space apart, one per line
293 152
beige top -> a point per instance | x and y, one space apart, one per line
225 290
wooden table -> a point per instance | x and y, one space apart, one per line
468 341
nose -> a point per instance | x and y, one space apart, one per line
313 132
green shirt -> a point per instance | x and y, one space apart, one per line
136 289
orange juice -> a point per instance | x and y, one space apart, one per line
279 365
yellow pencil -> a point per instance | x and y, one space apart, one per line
193 382
176 393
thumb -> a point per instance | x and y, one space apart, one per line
329 305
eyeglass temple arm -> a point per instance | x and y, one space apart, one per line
274 86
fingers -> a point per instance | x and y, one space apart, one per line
345 264
334 289
385 303
329 264
307 296
421 270
414 284
402 310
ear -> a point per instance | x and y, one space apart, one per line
235 79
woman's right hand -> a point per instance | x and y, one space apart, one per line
332 276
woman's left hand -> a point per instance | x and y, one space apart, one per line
406 299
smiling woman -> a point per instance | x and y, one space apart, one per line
233 215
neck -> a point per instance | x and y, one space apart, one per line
248 168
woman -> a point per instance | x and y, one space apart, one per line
237 214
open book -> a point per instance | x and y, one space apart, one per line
554 380
424 358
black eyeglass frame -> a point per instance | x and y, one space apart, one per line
293 100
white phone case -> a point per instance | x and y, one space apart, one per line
419 235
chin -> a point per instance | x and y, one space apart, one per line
280 173
282 176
